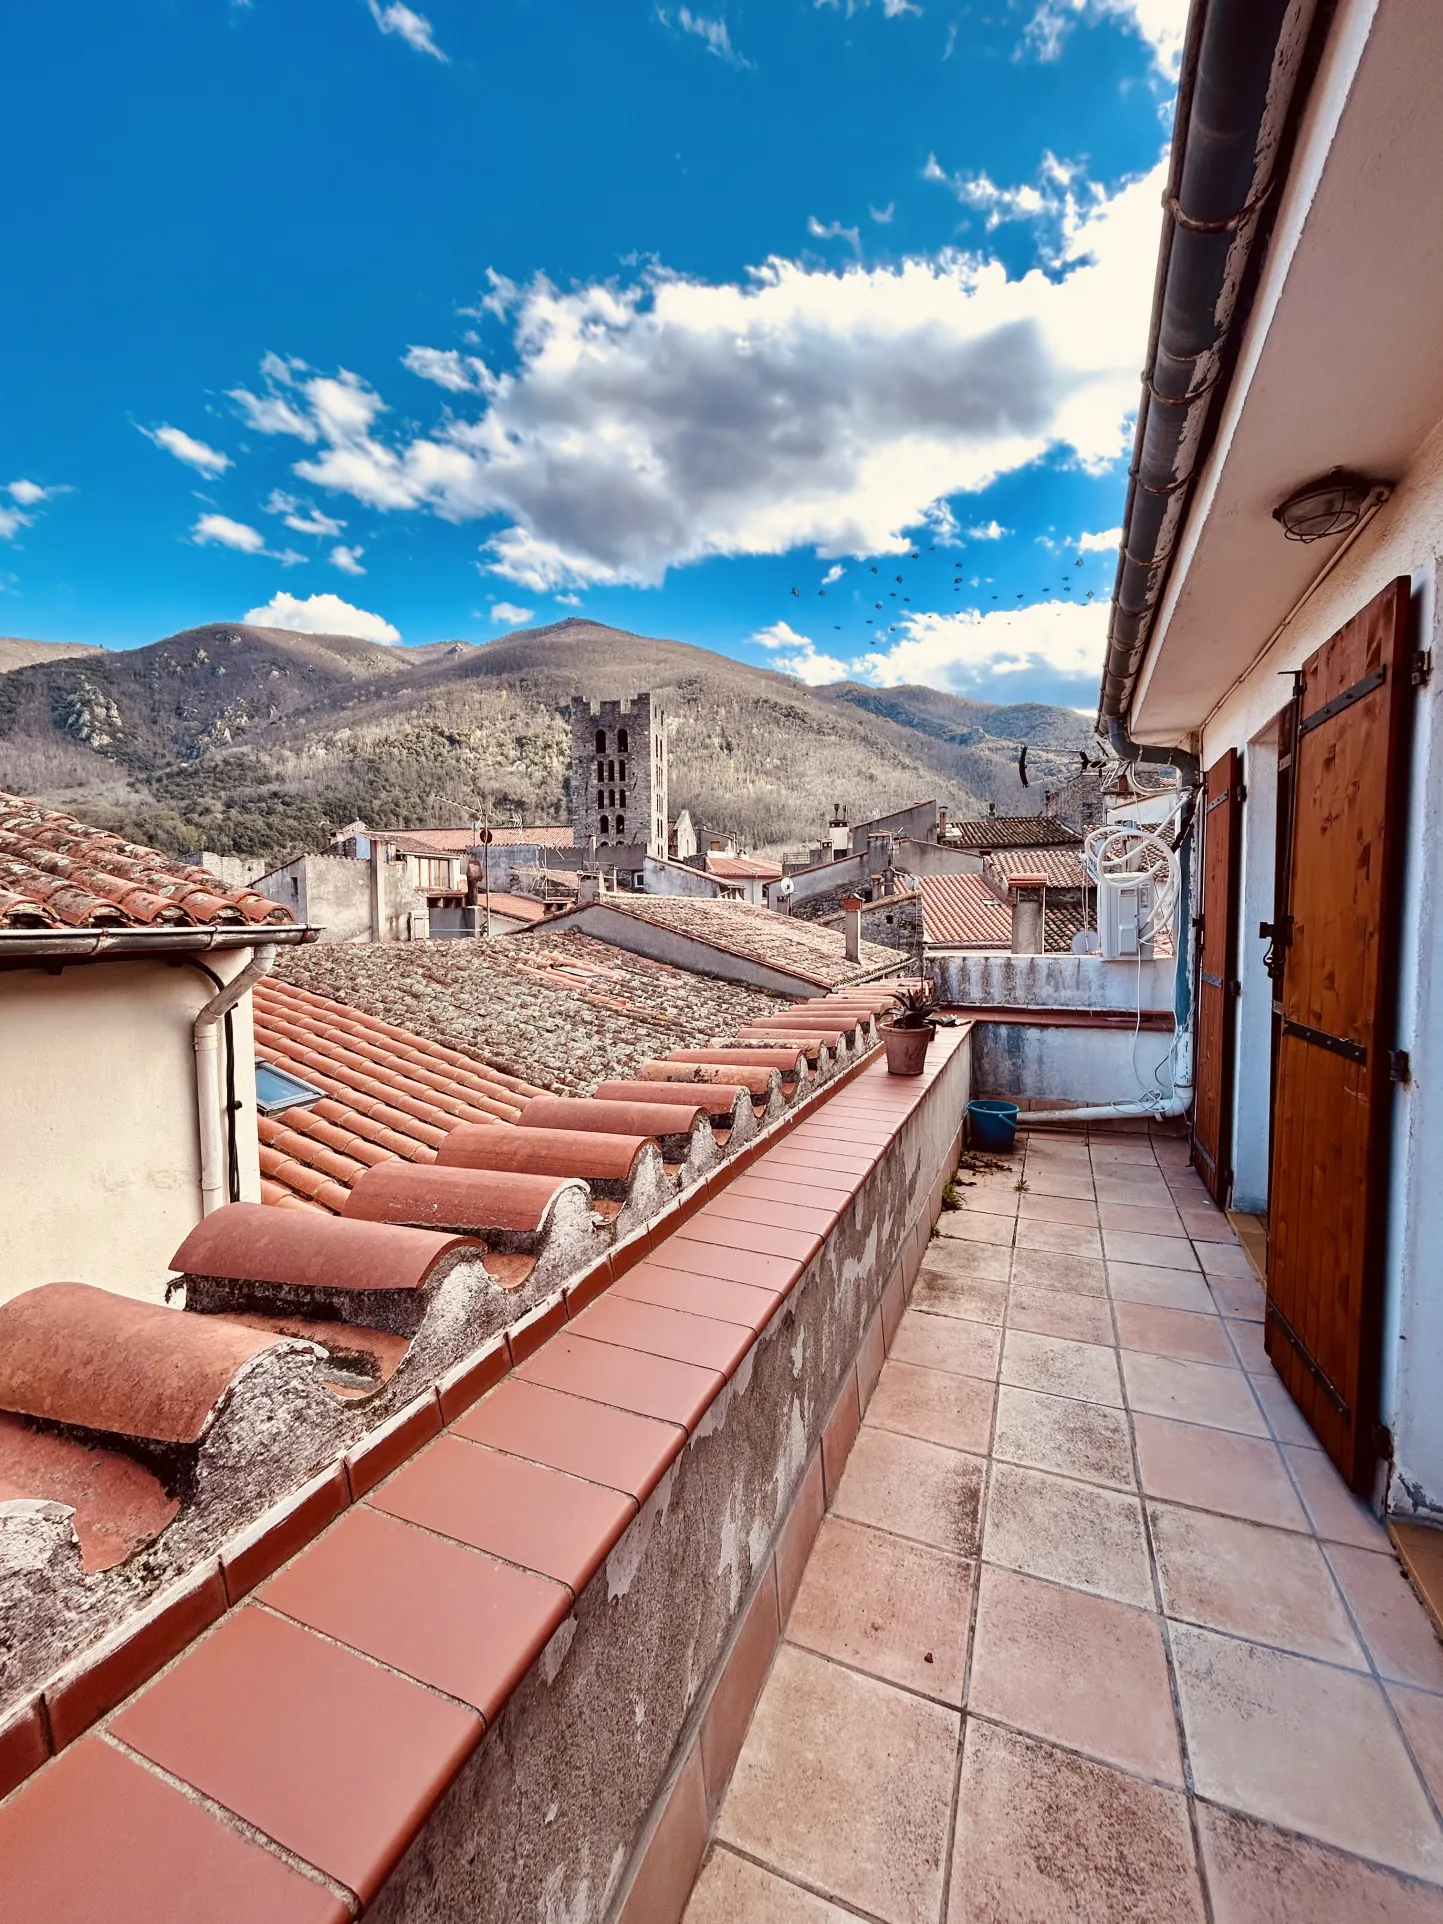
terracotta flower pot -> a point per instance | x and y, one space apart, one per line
907 1049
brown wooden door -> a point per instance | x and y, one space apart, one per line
1335 1031
1212 1116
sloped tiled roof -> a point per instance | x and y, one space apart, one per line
744 868
55 873
784 942
1061 866
456 841
388 1093
961 911
1011 831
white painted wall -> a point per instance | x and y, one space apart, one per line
99 1143
975 978
1012 1060
1252 1083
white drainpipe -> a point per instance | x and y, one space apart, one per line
207 1075
1160 1108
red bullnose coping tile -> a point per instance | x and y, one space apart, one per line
99 1840
23 1747
778 1273
252 1556
526 1513
590 1284
393 1444
625 1452
459 1388
805 1192
82 1694
761 1239
537 1327
448 1616
653 1282
749 1208
628 1380
339 1761
680 1334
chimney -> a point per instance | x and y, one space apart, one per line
1028 895
941 824
588 889
991 808
378 920
852 926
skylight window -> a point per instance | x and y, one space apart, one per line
277 1091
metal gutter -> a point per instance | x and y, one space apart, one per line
1247 68
25 948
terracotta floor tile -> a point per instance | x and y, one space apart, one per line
1336 1513
98 1836
1236 1297
1045 1269
1241 1476
994 1195
1070 1533
336 1759
733 1890
1257 1875
626 1379
1192 1392
947 1343
973 1298
847 1784
937 1405
975 1226
1044 1837
1061 1368
1165 1288
1131 1153
898 1610
1061 1182
697 1295
989 1262
1067 1239
1285 1419
1206 1223
522 1512
1226 1260
1081 1211
1158 1252
912 1489
684 1337
1141 1219
614 1447
1272 1586
1421 1715
1085 1440
1173 1332
1247 1341
1057 1312
1305 1746
1078 1670
1397 1629
1138 1192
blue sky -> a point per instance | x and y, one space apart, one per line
422 324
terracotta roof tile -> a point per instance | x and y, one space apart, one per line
57 873
961 911
1060 867
743 868
787 943
1011 831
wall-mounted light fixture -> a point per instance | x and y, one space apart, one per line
1333 504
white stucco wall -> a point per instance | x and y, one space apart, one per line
994 980
1012 1060
99 1143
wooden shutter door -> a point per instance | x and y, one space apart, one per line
1326 1211
1212 1120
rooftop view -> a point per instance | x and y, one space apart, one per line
719 1125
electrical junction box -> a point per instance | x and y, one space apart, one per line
1124 917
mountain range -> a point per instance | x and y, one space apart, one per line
260 741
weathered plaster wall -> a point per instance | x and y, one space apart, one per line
99 1143
1050 981
549 1819
1011 1060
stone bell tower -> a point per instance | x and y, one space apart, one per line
618 774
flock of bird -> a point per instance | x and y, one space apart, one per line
957 586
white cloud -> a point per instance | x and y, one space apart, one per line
1162 24
801 658
1106 541
12 521
508 611
320 615
953 651
414 28
883 215
25 494
348 560
28 493
219 530
303 516
891 9
448 368
987 531
652 424
713 34
834 230
834 573
196 454
1059 197
273 414
568 601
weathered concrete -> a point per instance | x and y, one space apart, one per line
1051 982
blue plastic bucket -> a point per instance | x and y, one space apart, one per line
992 1125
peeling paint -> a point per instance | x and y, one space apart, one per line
554 1655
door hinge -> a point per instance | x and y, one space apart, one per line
1235 987
1400 1069
1421 671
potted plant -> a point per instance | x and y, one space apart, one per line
910 1031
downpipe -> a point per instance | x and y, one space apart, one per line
207 1074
